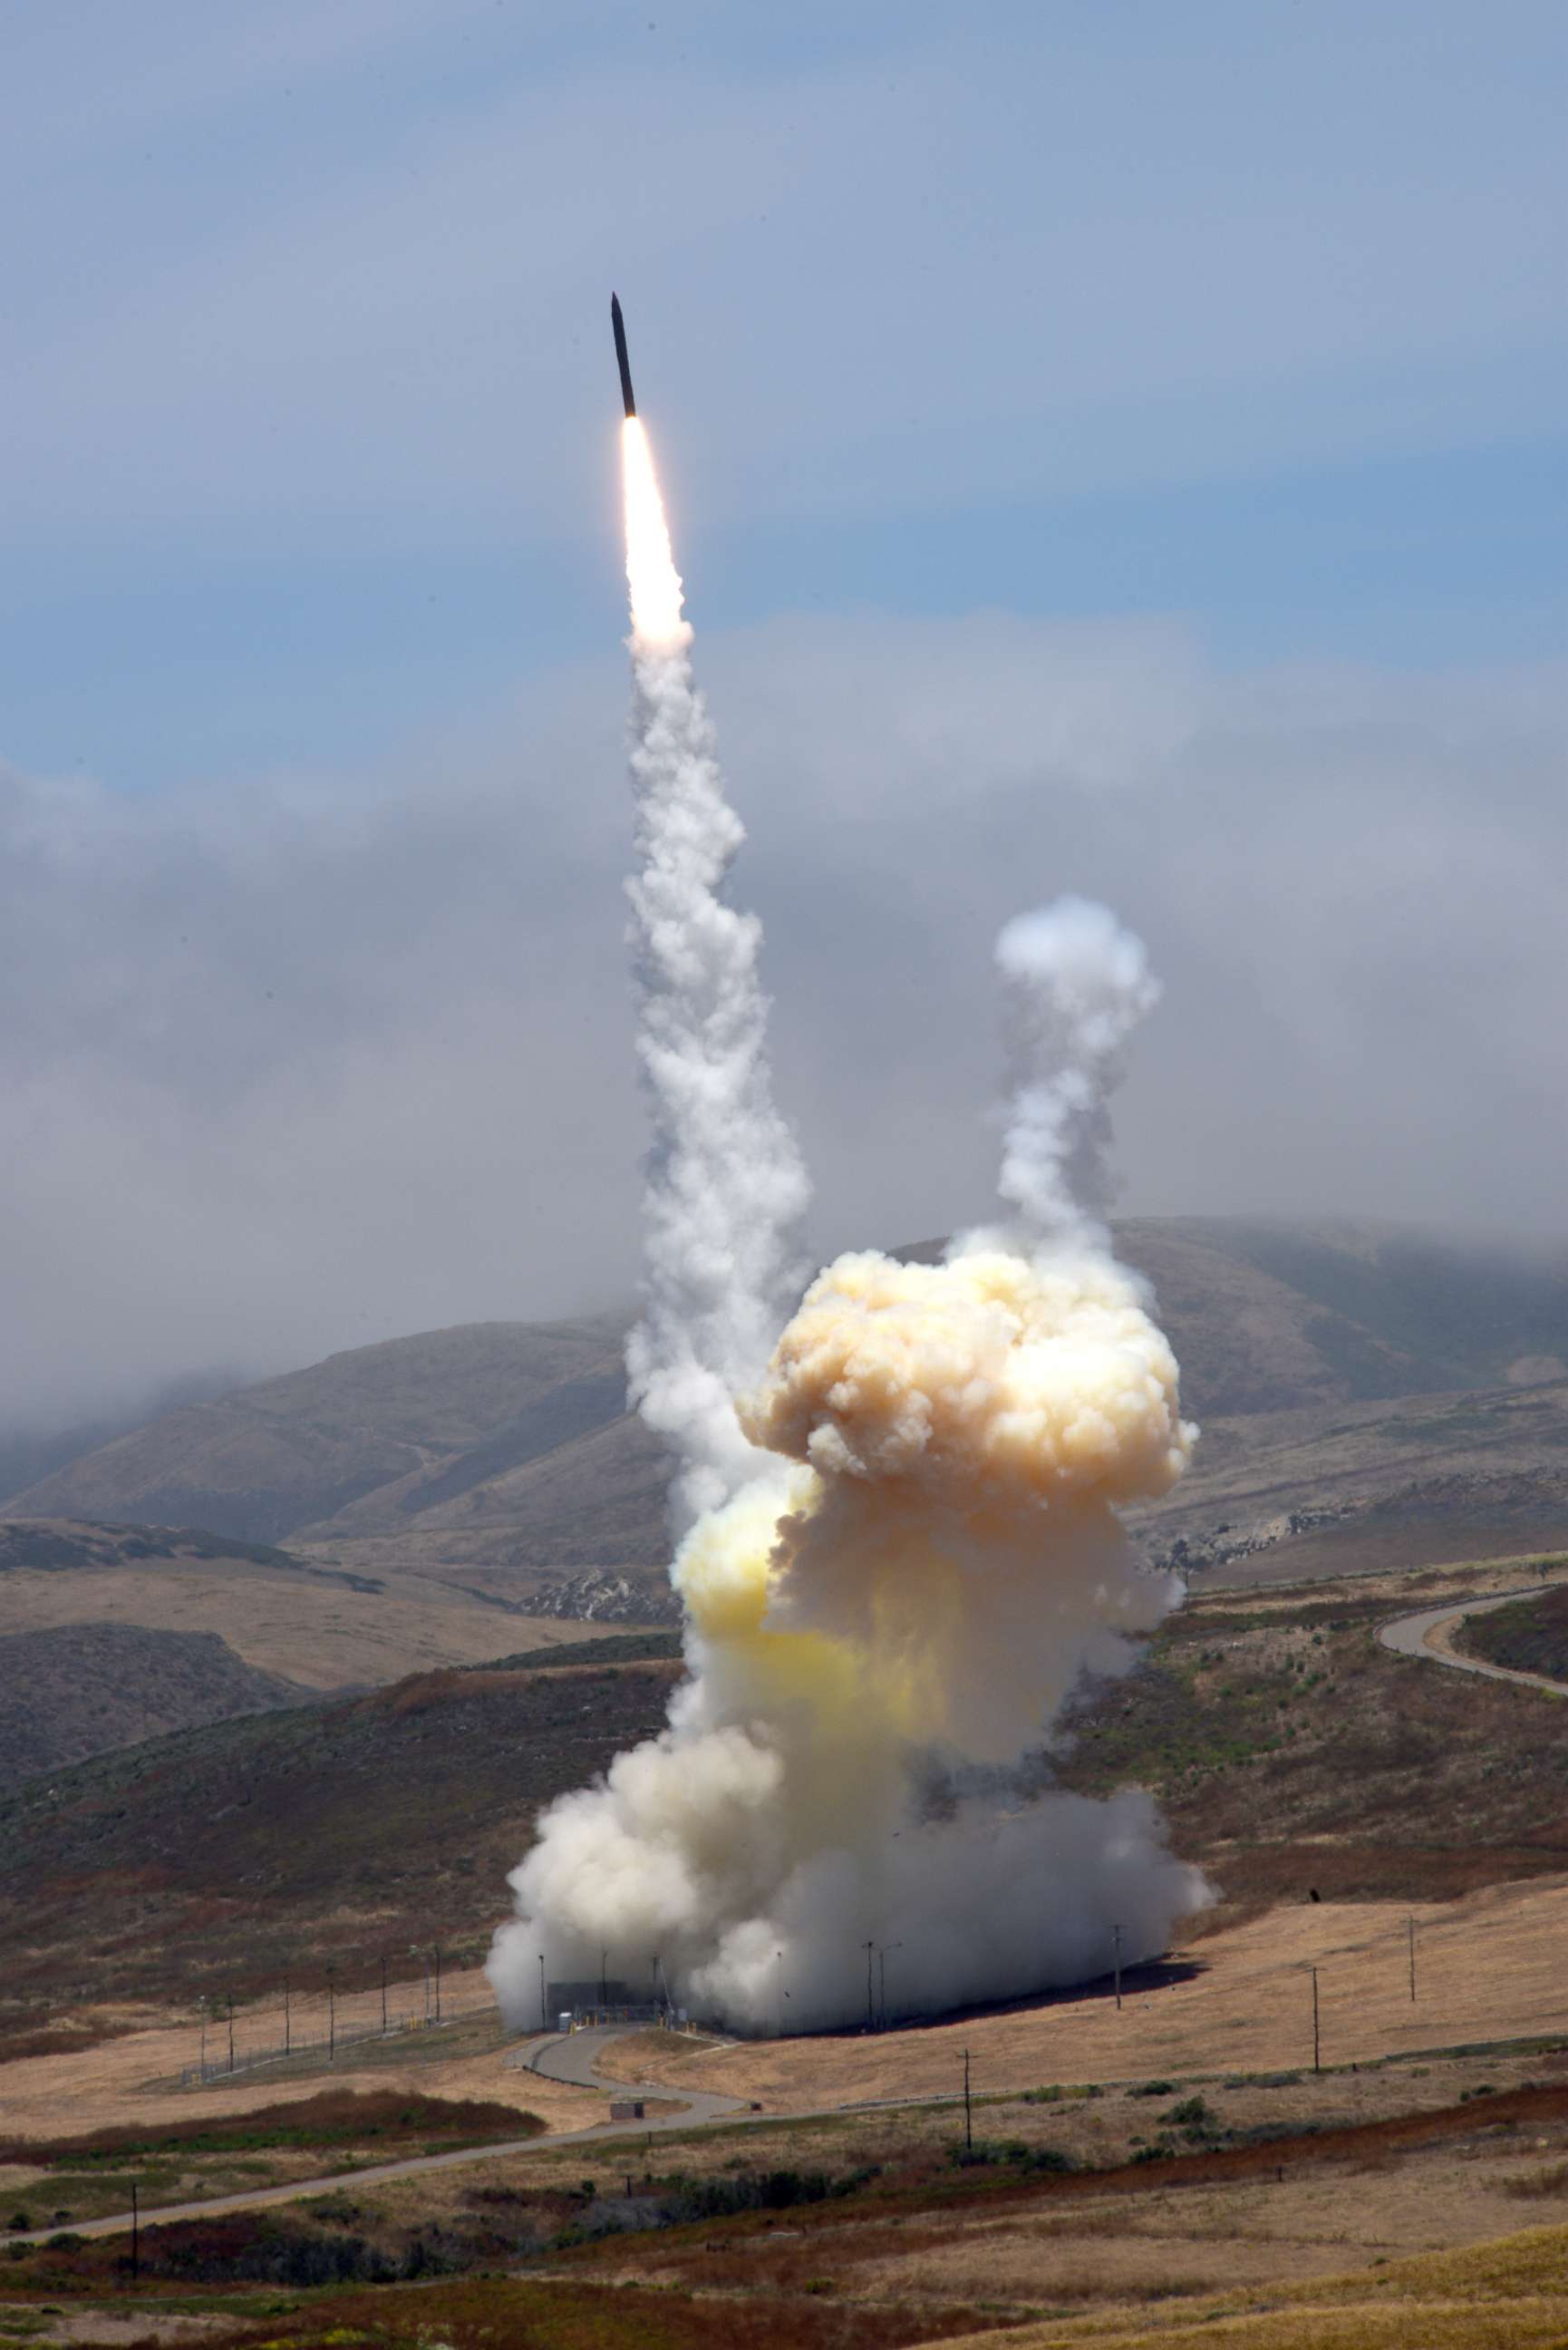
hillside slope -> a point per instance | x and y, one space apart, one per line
315 1626
71 1690
500 1456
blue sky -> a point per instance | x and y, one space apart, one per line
1111 447
1251 314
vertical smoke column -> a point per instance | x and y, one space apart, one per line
725 1187
1075 986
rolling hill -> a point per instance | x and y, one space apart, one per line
1335 1368
71 1690
110 1633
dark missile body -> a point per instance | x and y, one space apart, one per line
619 324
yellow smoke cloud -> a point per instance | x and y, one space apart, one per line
945 1554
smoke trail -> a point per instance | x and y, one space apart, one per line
903 1549
725 1188
1075 984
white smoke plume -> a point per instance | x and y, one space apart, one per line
907 1553
1075 986
725 1186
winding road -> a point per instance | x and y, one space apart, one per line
572 2058
1419 1636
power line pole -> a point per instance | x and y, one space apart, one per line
331 2012
1412 1925
1316 2053
603 1976
544 2008
437 1983
230 1999
778 1986
204 2039
1116 1945
968 2109
383 1994
287 2022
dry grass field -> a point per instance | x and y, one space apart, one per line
1490 1967
135 2078
317 1632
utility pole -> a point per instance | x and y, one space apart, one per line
331 2012
287 2021
426 1961
1116 1945
1316 2060
383 1994
870 2003
1412 1925
437 1956
204 2039
603 1976
543 2012
968 2109
230 1999
778 1986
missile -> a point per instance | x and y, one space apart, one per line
618 324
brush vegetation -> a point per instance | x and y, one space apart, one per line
1528 1637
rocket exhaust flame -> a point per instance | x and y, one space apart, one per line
652 575
899 1549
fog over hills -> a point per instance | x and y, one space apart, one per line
500 1454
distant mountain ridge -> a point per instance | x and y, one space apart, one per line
501 1453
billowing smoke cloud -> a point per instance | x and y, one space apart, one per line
918 1555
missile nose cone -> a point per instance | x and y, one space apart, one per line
618 327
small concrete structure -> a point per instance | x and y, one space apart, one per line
627 2109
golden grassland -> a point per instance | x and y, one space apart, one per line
321 1633
1511 2294
1488 1967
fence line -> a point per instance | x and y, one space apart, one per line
345 2035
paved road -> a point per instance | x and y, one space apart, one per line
573 2058
1412 1635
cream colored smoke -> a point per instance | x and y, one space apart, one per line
907 1553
